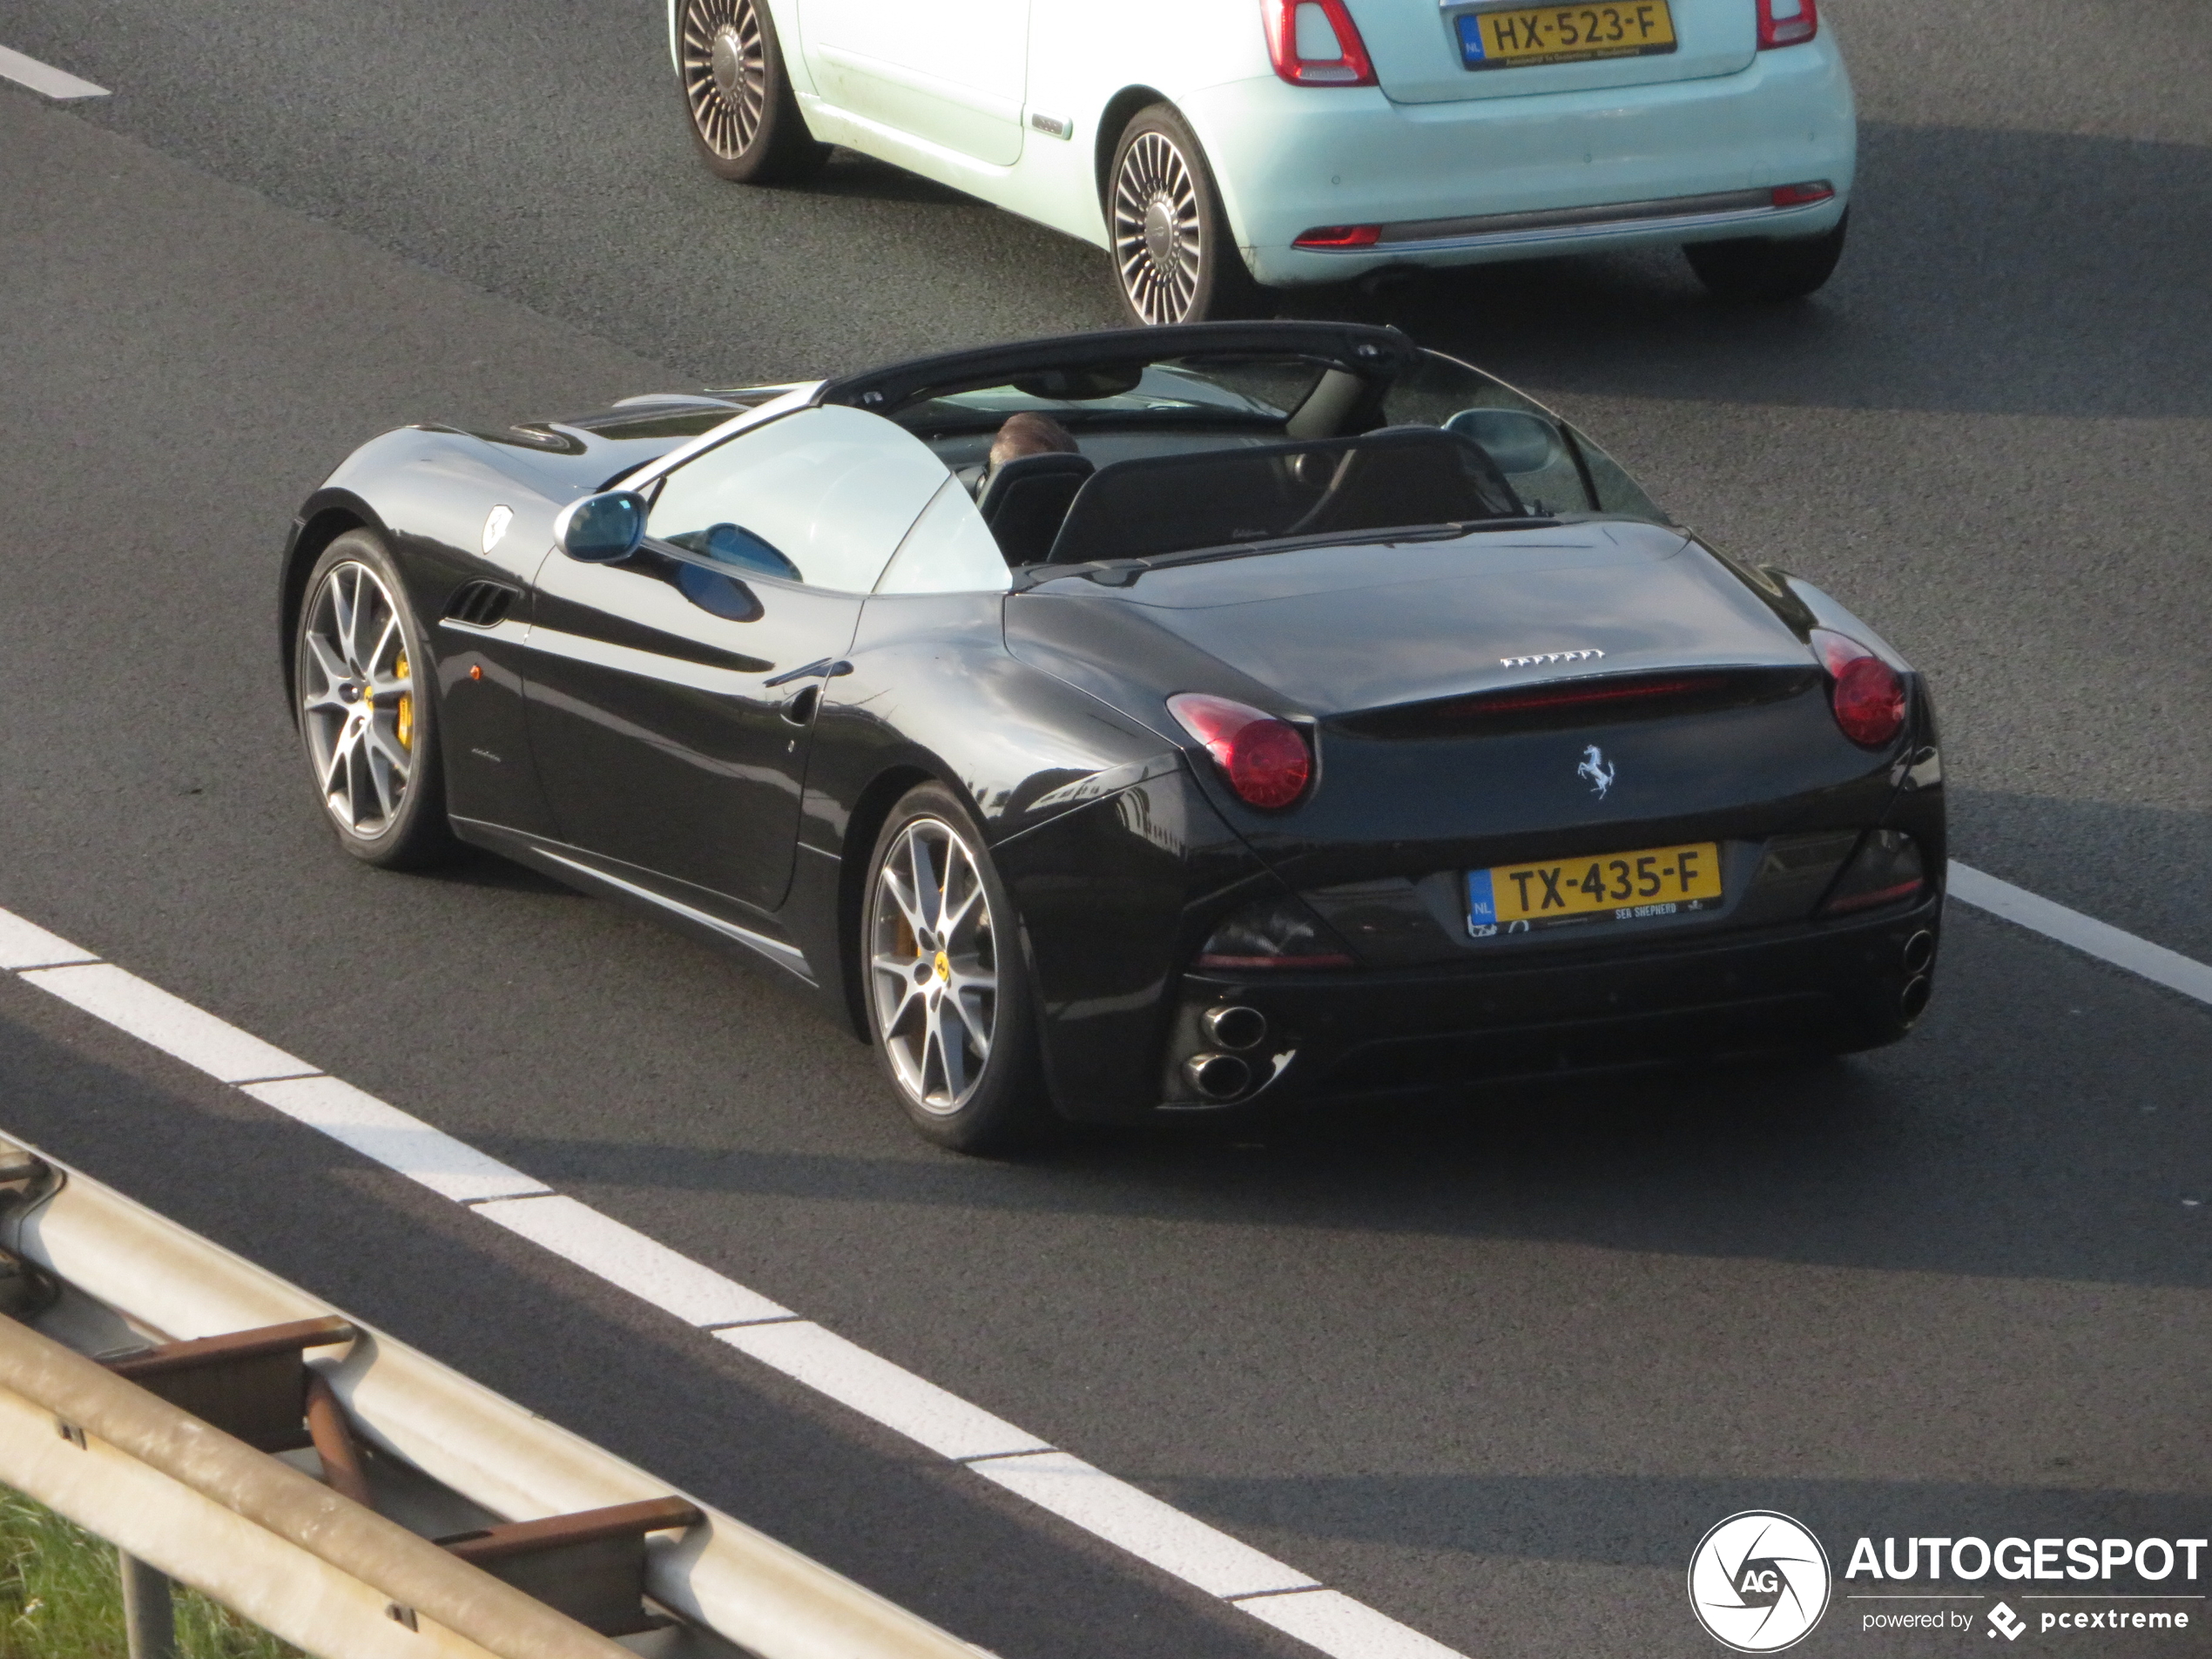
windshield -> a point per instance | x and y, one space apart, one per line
1237 391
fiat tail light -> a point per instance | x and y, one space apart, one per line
1264 758
1314 43
1787 23
1866 693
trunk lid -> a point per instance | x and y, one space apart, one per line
1418 59
1368 641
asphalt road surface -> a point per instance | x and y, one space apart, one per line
1490 1366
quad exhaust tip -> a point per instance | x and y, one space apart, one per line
1217 1076
1914 998
1236 1028
1919 951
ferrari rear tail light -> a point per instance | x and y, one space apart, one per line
1264 758
1866 693
1339 236
1813 189
1273 934
1787 23
1887 869
1314 43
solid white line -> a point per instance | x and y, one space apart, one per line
1348 1629
1146 1527
24 944
450 1168
876 1388
2086 933
625 1257
45 79
169 1024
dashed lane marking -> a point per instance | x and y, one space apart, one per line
43 78
1016 1462
2086 933
1010 1457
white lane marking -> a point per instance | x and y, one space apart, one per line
1013 1459
169 1024
44 78
452 1169
23 945
1146 1527
1349 1629
626 1258
2098 938
874 1387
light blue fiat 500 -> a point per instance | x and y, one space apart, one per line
1217 148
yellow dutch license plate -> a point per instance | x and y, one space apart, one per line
1532 35
1627 886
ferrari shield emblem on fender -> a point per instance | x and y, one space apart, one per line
1596 769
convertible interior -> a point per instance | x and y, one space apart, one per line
1247 443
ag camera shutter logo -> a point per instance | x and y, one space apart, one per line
1758 1581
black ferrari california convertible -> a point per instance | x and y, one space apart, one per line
1294 713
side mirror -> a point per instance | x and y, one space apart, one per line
599 529
1517 441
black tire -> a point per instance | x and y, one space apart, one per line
378 770
1174 255
921 987
745 118
1760 270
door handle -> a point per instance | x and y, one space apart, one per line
826 667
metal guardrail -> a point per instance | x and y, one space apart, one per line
259 1536
204 1522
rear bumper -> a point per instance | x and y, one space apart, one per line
1289 158
1815 985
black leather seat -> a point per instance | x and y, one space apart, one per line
1025 499
1399 476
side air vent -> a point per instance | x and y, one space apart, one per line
481 605
1607 699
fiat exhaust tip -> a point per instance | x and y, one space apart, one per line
1217 1076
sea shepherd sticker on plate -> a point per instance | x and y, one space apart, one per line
1616 886
1532 35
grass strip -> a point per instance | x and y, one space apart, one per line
60 1597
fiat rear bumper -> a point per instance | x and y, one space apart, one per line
1476 180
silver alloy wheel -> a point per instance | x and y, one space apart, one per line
357 699
1156 229
933 965
725 73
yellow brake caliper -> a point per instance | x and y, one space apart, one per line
403 720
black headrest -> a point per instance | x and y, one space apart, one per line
1025 499
1009 475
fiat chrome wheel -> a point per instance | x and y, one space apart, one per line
725 73
357 699
934 965
1156 229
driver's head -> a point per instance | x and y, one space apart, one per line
1029 433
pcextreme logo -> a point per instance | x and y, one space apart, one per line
1758 1581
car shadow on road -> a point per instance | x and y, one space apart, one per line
2043 1121
2075 289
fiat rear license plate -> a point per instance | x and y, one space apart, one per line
1532 35
1617 886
